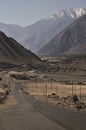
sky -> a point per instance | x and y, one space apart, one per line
27 12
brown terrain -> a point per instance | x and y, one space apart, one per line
56 81
47 95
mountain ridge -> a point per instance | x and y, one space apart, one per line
35 36
12 52
70 41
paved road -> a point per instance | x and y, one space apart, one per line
29 114
24 116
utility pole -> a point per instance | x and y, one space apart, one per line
80 90
72 87
46 91
51 84
56 90
75 87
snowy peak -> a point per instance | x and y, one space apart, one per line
37 35
70 41
73 13
79 12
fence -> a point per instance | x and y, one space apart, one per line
61 89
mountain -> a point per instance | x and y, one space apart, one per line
71 41
11 30
14 53
35 36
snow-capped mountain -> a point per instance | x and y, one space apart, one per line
40 33
72 13
37 35
70 41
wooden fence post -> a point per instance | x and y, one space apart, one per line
46 91
72 87
80 90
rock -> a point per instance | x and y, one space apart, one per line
49 96
75 98
7 92
53 94
80 105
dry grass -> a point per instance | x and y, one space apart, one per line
57 88
43 91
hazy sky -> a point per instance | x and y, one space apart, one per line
26 12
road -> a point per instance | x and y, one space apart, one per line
30 114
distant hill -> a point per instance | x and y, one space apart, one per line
12 52
71 41
35 36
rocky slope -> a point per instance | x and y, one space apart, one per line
12 52
71 41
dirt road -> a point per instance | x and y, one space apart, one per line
29 114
